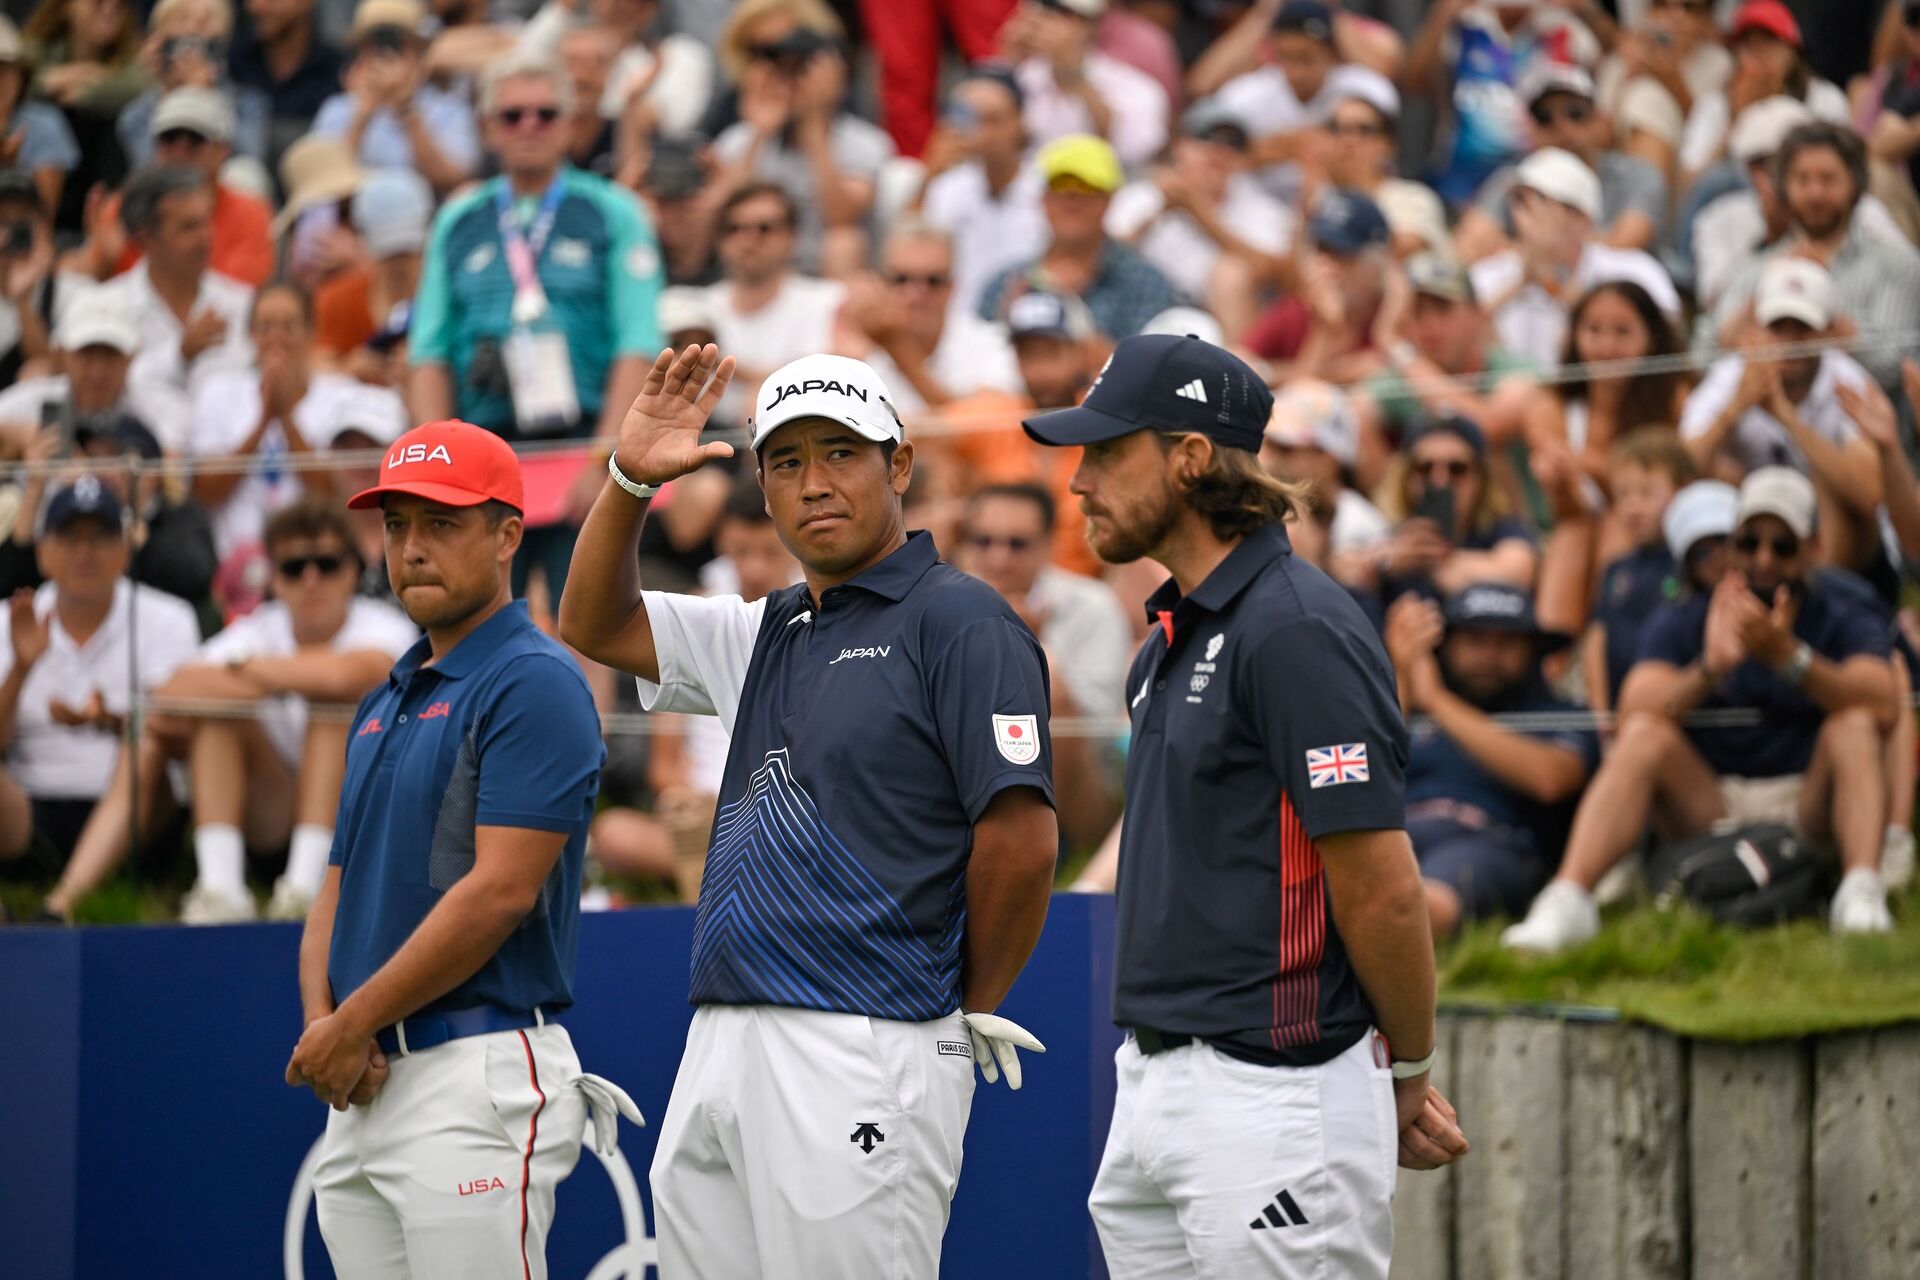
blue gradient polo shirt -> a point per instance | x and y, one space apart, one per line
868 736
502 732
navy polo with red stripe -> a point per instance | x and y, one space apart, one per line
1265 719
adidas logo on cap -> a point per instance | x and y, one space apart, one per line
1193 391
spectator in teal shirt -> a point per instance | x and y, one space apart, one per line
592 297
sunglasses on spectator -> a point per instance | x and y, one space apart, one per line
987 542
1356 129
512 117
297 566
758 228
1572 111
931 279
1445 468
179 138
1783 548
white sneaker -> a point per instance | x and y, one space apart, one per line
289 901
1563 916
1860 903
206 905
1896 858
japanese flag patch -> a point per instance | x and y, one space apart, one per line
1018 738
1332 766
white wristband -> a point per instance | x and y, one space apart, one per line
642 491
1408 1068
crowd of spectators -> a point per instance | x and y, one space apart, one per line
1590 325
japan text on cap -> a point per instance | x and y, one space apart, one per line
453 463
833 387
85 499
1792 288
207 112
1781 492
1040 313
1704 509
1499 606
1562 177
1161 382
1085 159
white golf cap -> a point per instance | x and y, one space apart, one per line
833 387
1563 177
1311 414
92 319
1547 76
1704 509
1184 322
207 112
1778 491
1762 127
1793 288
1363 84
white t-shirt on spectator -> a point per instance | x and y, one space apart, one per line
973 355
1086 627
990 232
1731 230
157 371
226 411
1534 325
267 632
1265 100
24 402
1707 124
1135 99
799 321
1174 242
859 150
147 635
1758 439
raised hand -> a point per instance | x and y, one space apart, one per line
660 437
30 634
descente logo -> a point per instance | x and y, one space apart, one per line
403 454
817 384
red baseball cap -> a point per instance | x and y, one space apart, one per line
1769 16
451 462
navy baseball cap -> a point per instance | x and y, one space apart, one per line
1497 606
85 499
1165 382
1308 17
1347 222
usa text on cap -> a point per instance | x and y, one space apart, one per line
453 463
1162 382
833 387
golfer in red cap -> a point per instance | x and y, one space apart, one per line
439 955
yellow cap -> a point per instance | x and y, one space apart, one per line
1085 157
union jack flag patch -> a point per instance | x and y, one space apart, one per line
1331 766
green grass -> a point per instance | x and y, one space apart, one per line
1684 973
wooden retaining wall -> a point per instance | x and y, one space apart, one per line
1604 1151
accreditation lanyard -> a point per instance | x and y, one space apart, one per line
523 249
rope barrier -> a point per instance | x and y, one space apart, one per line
948 424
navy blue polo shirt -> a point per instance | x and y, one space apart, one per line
1265 718
502 732
1838 625
868 736
1441 770
1632 589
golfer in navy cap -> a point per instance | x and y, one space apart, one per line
1274 969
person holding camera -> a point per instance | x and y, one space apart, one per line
27 282
187 45
794 130
390 115
1454 530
